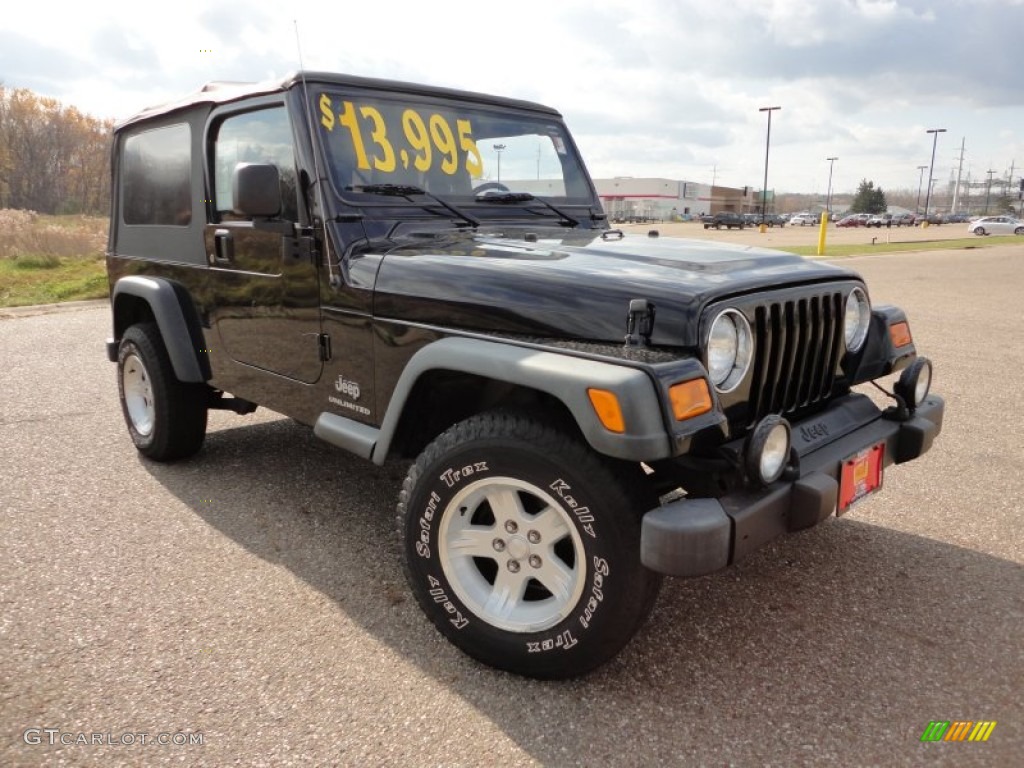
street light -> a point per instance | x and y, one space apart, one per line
935 140
920 181
767 144
828 196
988 191
498 149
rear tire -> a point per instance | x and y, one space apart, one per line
522 545
166 418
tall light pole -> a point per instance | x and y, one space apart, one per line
988 192
767 144
920 181
935 140
498 149
828 196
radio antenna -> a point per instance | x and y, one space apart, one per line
335 280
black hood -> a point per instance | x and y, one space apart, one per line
576 285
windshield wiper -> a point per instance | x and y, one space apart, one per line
526 197
407 191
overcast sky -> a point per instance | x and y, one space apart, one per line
667 88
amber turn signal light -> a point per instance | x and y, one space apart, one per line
689 399
606 405
900 334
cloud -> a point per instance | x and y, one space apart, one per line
25 63
659 85
115 47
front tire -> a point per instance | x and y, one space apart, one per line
165 417
523 546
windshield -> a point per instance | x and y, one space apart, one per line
452 150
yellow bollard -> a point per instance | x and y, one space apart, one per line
762 228
822 232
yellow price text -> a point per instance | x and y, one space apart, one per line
426 141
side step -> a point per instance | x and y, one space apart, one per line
242 407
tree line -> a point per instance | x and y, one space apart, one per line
53 158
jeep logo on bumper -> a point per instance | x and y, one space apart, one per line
812 432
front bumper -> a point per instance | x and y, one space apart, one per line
694 537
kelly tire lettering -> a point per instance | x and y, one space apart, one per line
522 545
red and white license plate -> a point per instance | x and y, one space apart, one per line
860 475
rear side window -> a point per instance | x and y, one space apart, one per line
156 169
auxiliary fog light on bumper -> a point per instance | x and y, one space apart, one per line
768 449
915 382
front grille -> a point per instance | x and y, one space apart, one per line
797 347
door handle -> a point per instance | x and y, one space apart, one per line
223 247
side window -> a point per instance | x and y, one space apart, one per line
156 176
263 136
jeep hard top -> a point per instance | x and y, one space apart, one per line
426 274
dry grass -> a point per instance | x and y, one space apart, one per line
46 259
27 234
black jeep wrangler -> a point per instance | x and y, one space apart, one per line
427 274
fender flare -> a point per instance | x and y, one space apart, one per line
564 377
177 319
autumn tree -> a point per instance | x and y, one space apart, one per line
868 199
53 159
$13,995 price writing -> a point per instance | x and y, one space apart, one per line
427 140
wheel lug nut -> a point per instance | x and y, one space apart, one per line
535 561
499 545
511 527
534 537
513 565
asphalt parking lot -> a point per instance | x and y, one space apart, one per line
253 595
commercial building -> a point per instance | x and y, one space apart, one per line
626 198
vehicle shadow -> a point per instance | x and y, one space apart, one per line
838 644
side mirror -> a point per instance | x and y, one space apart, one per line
256 190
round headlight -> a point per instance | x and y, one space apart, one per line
730 349
857 320
915 382
768 449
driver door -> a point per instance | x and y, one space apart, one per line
265 289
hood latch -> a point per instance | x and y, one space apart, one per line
639 323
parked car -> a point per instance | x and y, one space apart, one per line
725 219
932 218
857 219
803 220
996 225
891 220
770 220
299 245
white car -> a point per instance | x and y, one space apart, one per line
803 220
996 225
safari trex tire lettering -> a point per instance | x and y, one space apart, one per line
521 545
